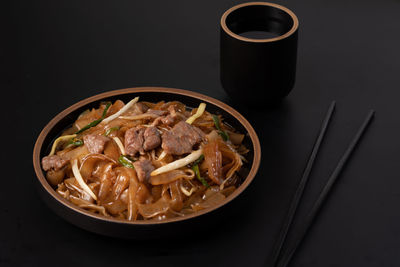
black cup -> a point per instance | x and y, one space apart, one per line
258 71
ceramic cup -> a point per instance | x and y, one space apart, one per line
258 51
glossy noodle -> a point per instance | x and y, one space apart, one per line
146 161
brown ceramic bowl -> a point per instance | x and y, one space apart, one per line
143 229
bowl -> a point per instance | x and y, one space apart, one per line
145 229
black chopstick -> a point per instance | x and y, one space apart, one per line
300 189
284 261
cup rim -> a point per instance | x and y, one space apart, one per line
280 37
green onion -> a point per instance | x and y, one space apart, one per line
197 161
222 133
107 133
125 161
95 122
196 170
75 142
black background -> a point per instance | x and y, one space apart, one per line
58 52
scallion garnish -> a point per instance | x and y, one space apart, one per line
76 142
107 133
222 133
125 161
196 170
95 122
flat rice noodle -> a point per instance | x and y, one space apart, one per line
75 190
213 161
195 198
156 192
144 116
158 105
124 196
115 207
228 190
171 176
118 104
122 123
204 121
149 104
235 138
88 205
105 190
209 202
187 211
235 161
88 117
143 195
111 150
180 107
164 161
63 191
91 162
123 179
106 181
176 202
77 153
159 207
132 205
211 191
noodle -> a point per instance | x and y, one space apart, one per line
146 161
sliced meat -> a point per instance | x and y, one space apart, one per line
152 138
181 138
139 108
143 169
140 139
134 140
53 162
95 143
169 120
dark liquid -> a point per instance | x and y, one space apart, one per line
259 35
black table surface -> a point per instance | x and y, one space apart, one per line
59 52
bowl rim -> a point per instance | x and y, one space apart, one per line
39 142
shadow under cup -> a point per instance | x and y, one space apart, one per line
255 70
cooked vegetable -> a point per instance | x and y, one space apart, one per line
58 140
197 173
187 193
75 142
200 159
112 129
125 162
223 134
120 145
146 161
122 110
95 122
199 112
178 163
80 180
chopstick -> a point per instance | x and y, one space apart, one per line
285 259
300 189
